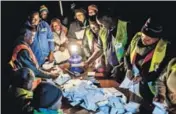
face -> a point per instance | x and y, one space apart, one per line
92 12
44 14
29 37
80 16
94 28
146 40
55 26
35 19
29 84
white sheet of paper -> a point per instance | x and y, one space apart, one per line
80 34
61 56
126 83
91 73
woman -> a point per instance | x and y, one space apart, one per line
59 33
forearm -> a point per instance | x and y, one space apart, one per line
94 56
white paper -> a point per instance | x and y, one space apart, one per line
77 65
61 56
80 34
47 65
126 83
91 73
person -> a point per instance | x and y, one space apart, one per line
92 12
44 12
165 86
47 99
23 56
21 91
43 45
113 35
145 58
91 44
61 41
78 25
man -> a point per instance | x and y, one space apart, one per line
145 58
23 56
91 43
78 26
92 12
43 45
47 99
113 36
165 86
44 12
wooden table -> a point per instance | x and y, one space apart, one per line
104 83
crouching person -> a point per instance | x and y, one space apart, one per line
21 91
165 86
47 99
23 56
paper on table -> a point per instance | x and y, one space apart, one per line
91 73
161 106
62 79
80 34
77 65
61 56
126 83
47 65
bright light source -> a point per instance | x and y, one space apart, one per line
74 48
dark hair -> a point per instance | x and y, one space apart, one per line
32 14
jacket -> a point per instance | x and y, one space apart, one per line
151 63
165 85
75 27
20 100
23 59
43 43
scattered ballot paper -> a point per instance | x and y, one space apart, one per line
63 78
132 107
160 108
78 65
47 65
80 34
126 83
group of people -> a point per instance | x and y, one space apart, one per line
147 60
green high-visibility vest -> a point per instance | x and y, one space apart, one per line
157 58
103 32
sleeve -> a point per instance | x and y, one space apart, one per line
71 35
161 84
127 63
50 38
23 57
100 44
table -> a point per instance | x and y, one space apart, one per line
104 83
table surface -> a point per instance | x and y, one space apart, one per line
104 83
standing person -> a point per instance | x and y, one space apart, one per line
77 26
92 12
21 91
60 39
43 45
91 43
23 56
145 58
109 40
47 99
44 12
165 86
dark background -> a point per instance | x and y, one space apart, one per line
14 14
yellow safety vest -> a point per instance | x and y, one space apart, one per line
103 36
158 56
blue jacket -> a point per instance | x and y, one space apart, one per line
43 43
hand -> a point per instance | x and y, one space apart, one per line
159 98
62 49
54 75
79 42
85 64
129 74
51 57
137 79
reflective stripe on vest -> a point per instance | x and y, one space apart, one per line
121 38
17 49
158 56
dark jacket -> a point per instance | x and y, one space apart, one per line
75 27
24 60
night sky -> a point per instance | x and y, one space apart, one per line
14 14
